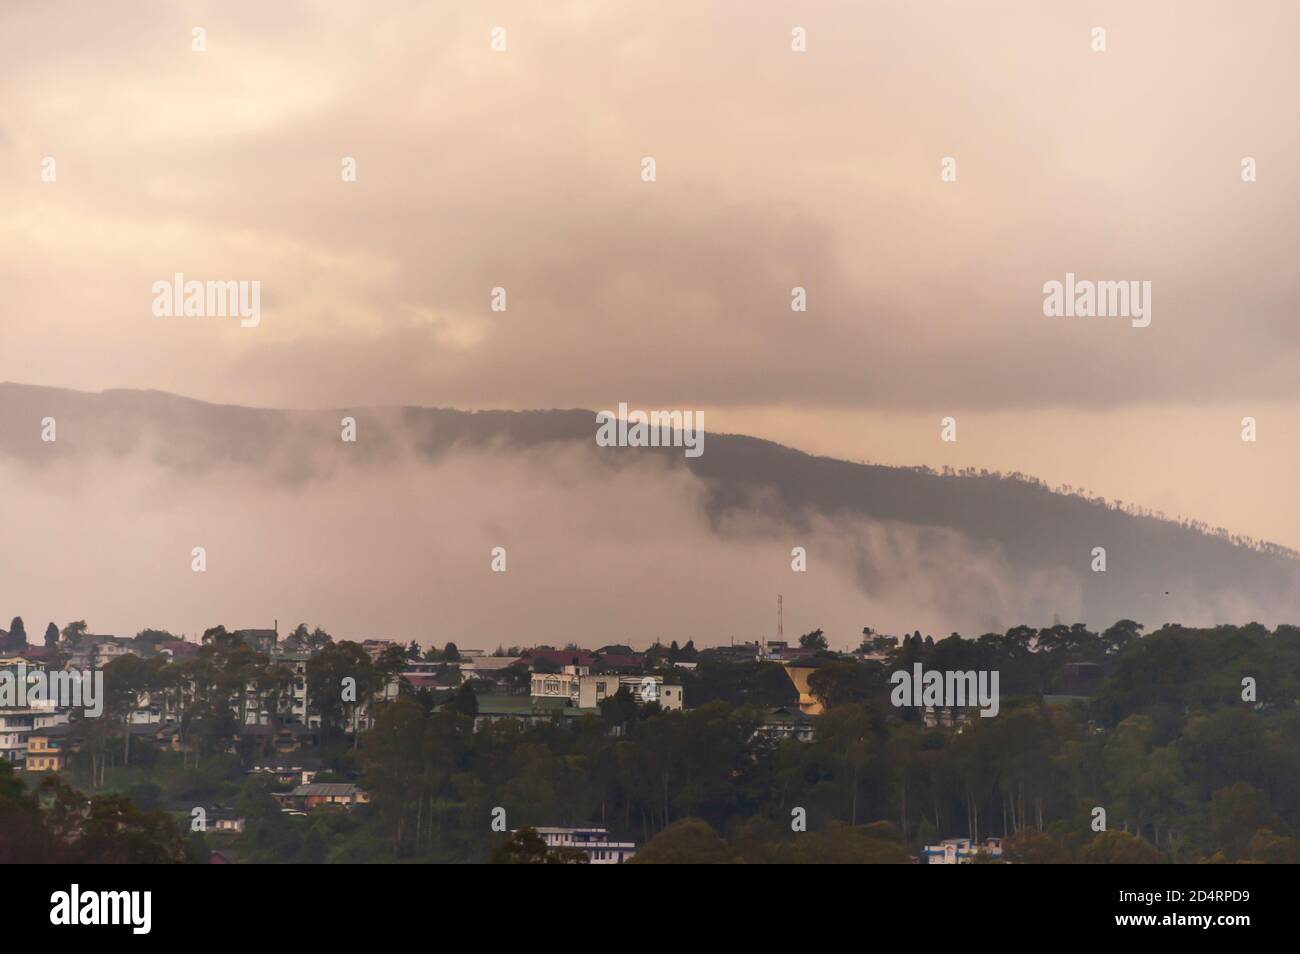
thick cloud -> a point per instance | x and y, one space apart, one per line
594 553
521 169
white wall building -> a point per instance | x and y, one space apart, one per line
594 841
587 689
960 851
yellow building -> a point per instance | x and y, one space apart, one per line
47 749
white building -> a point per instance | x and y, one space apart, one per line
17 724
960 851
587 689
594 841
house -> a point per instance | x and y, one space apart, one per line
620 657
594 841
786 722
587 690
33 655
307 797
525 709
225 820
17 726
945 716
960 851
486 667
213 818
96 652
49 747
285 739
559 685
290 769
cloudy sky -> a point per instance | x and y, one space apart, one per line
522 169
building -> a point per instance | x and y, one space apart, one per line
784 722
49 747
530 710
225 820
587 690
298 711
594 841
559 685
485 667
960 851
291 769
945 716
17 726
307 797
96 652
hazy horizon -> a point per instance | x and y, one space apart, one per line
388 177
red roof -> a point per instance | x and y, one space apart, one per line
421 680
636 661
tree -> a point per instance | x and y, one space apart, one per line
1033 847
152 637
73 632
814 640
841 844
526 847
296 641
691 841
17 640
326 672
1120 848
1237 812
1268 848
51 636
465 702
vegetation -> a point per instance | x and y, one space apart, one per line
1185 768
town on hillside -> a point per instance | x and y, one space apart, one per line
252 745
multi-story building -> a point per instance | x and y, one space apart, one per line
594 841
587 690
786 722
48 748
17 725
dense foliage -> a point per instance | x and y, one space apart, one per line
1184 767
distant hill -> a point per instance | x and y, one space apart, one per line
1155 567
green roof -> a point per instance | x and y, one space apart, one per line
491 704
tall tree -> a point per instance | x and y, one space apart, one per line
73 632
